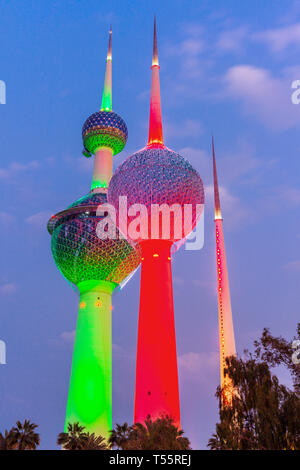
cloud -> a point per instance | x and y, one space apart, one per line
82 164
15 168
291 196
232 40
198 366
263 95
68 336
183 129
6 218
240 162
178 281
282 198
240 166
8 288
189 52
293 266
232 208
39 220
279 39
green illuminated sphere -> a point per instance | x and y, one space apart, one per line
104 129
80 254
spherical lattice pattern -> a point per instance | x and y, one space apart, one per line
80 254
104 129
157 176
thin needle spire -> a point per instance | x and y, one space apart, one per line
155 121
218 214
106 104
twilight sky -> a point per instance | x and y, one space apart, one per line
227 68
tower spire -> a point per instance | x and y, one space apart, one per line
218 214
106 104
155 138
155 53
226 331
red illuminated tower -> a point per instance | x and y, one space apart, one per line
226 332
156 175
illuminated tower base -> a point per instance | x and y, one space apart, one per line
156 390
89 399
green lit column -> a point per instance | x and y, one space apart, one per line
89 399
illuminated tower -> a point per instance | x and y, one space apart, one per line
157 176
96 266
226 332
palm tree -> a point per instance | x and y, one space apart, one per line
161 434
120 435
74 439
23 436
6 440
95 442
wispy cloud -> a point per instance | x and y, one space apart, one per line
183 129
232 40
279 39
290 195
81 164
6 218
263 95
236 167
188 51
68 336
233 209
39 220
15 168
198 366
293 265
8 288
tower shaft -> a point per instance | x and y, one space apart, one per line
156 387
226 331
103 168
89 398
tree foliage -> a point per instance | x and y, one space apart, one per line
160 434
21 437
264 414
76 438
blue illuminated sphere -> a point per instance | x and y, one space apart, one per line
104 129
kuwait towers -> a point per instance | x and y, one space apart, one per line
164 185
226 332
96 266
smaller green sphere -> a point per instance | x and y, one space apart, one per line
104 129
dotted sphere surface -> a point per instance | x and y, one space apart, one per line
80 254
158 176
104 129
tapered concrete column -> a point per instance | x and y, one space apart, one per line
89 398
